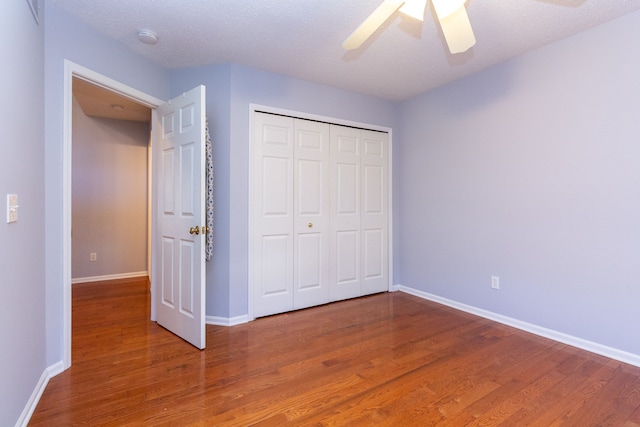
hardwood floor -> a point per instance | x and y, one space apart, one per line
388 359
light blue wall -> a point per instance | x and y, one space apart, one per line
22 256
67 38
230 90
530 170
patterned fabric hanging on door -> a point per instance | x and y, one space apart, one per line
209 197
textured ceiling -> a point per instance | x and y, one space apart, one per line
302 38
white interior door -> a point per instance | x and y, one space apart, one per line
179 268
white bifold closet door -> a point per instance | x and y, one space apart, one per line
319 214
359 232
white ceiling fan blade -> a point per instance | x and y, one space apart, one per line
445 8
456 27
371 24
414 9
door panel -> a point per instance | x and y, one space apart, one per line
347 251
168 195
168 245
309 187
187 258
309 254
275 266
375 219
373 254
276 178
373 190
188 181
347 186
345 218
311 223
273 222
179 259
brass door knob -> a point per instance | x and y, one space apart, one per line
310 225
194 230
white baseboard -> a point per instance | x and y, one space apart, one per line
27 412
593 347
110 277
226 321
56 369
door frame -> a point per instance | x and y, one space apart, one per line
72 70
253 108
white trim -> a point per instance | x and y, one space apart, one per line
257 107
150 198
67 153
153 212
250 227
593 347
332 120
227 321
112 85
55 369
110 277
32 403
72 70
390 206
33 5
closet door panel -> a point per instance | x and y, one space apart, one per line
311 204
373 254
309 262
373 190
347 257
273 238
275 265
346 211
275 181
347 183
310 185
375 218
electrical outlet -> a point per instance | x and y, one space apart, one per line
93 256
495 282
12 208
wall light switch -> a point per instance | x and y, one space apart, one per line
12 208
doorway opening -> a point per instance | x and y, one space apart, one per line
78 76
110 185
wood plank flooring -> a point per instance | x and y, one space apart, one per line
388 359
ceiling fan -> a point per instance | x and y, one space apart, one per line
452 15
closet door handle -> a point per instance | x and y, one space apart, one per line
310 225
194 230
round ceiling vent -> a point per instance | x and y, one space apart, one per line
147 37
